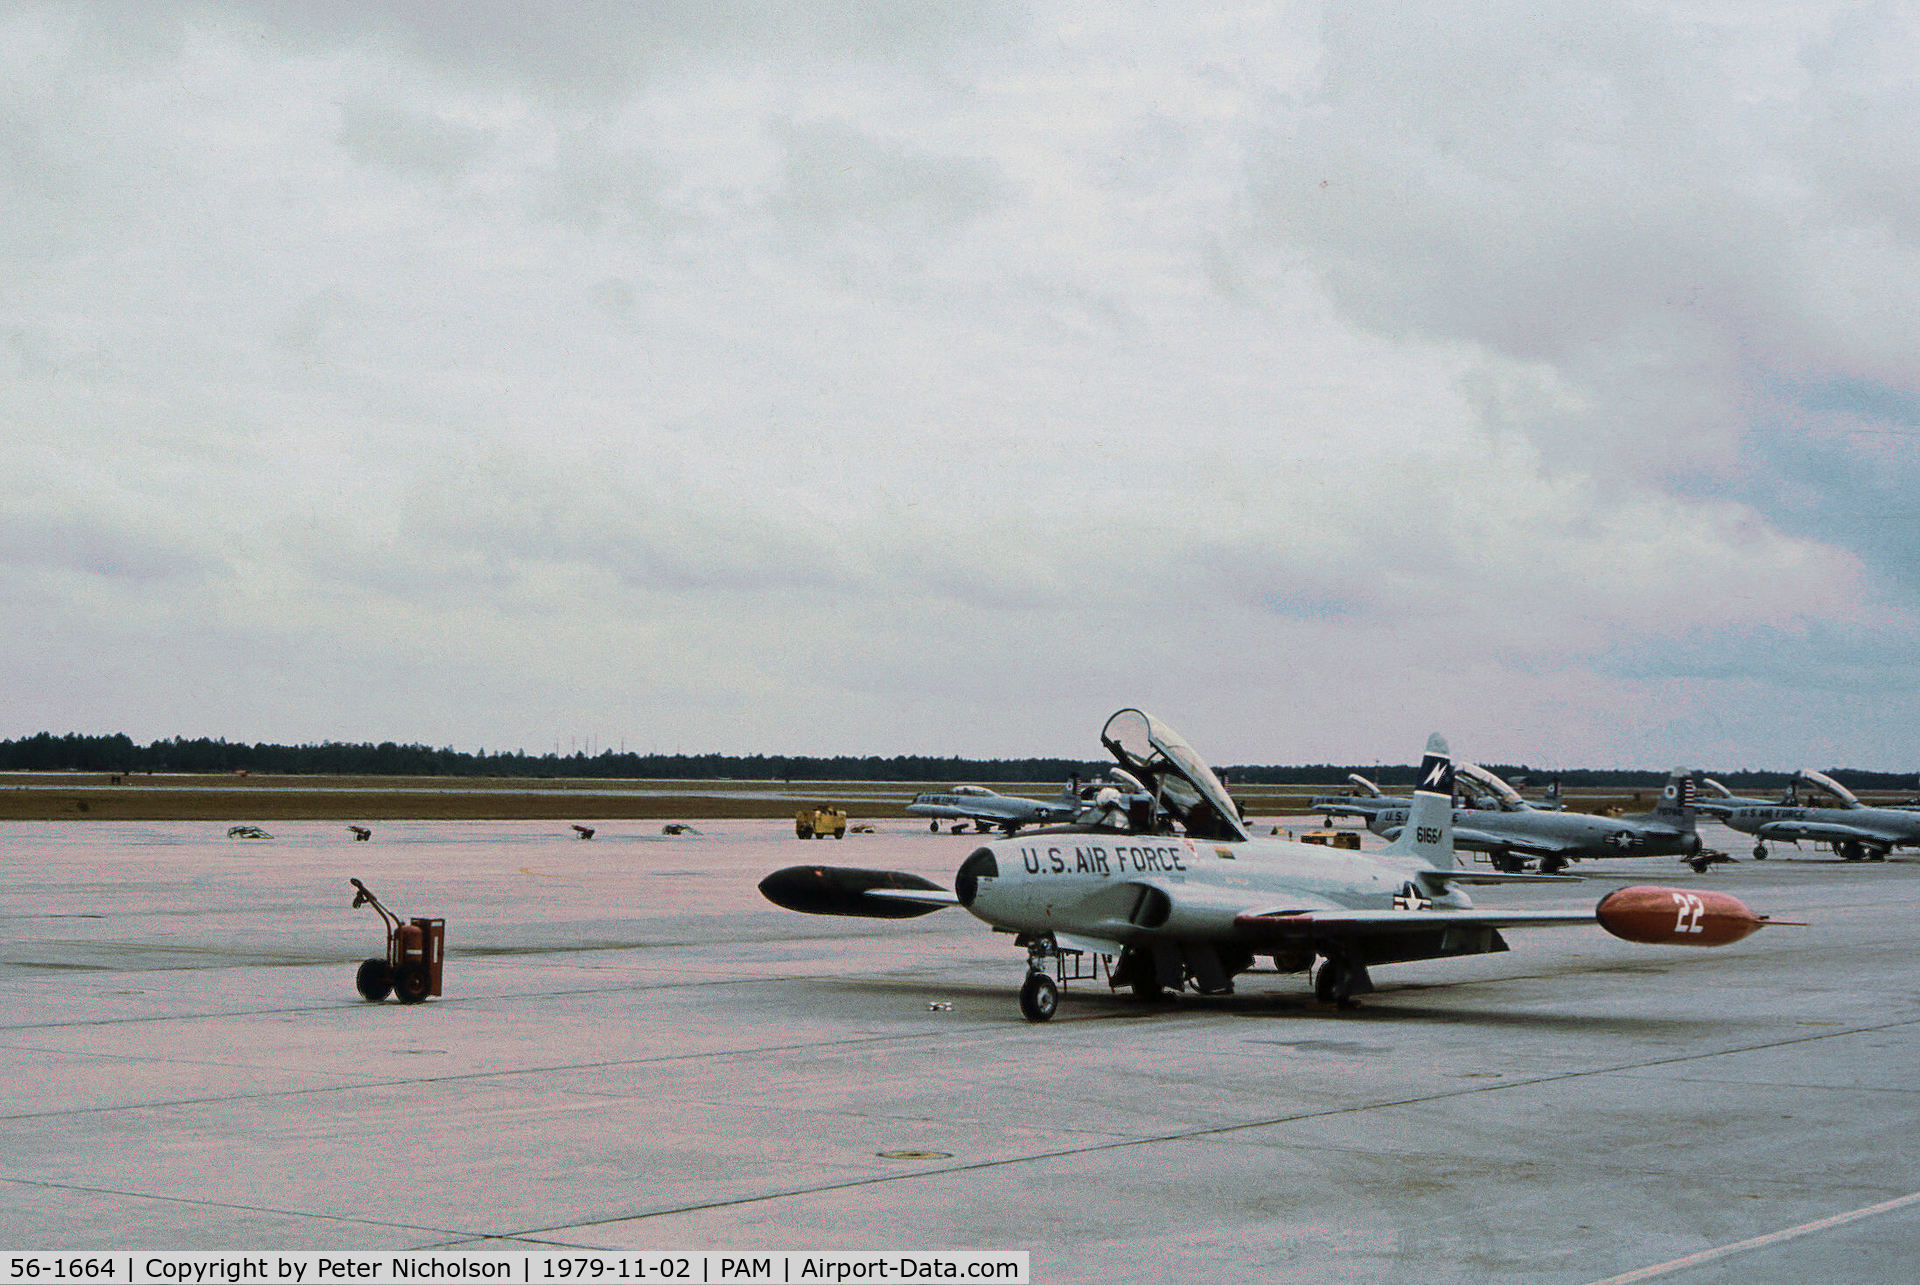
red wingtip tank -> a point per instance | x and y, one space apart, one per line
1676 916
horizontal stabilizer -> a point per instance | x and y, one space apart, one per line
865 894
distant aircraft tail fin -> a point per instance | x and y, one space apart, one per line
1677 800
1428 835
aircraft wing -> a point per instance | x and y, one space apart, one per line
1823 832
1654 916
932 898
1461 875
1295 924
1483 841
952 812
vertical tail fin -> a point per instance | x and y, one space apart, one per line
1429 831
1678 799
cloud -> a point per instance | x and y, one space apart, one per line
967 370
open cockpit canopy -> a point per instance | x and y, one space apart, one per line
1179 780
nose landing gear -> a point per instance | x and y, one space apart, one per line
1039 998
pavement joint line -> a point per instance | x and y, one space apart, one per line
510 1072
415 1081
1198 1134
203 1202
359 1005
1759 1242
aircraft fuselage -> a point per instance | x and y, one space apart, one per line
1129 888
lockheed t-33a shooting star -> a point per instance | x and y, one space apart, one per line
1168 889
989 810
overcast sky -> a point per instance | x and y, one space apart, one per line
866 376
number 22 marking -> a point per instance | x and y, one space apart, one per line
1691 911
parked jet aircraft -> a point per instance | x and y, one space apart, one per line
1363 800
1179 893
990 811
1481 791
1512 829
1852 829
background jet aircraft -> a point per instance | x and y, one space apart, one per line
1363 800
1512 829
1481 791
1178 893
990 811
1852 829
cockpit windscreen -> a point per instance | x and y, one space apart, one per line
1178 778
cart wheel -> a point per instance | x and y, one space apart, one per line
374 981
411 983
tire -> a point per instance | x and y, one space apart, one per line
411 984
1759 852
1330 982
374 981
1148 990
1039 998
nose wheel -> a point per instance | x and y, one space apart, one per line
1039 998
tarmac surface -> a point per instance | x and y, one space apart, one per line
636 1051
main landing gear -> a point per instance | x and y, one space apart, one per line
1339 979
1154 970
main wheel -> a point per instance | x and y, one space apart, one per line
1333 984
1039 998
374 981
1851 851
411 984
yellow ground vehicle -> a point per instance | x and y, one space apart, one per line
1333 838
818 823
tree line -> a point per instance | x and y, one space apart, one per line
46 752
